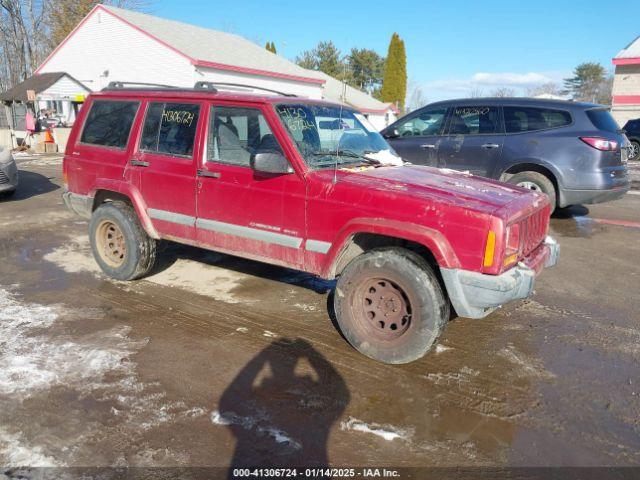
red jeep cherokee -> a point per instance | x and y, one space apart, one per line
309 185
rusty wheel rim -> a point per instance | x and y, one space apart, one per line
111 243
382 308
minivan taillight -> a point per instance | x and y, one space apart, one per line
600 143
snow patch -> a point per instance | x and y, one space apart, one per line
441 348
256 424
15 452
387 432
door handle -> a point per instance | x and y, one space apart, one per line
139 163
428 145
207 173
490 145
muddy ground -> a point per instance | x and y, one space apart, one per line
214 359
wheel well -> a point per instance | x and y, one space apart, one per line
103 196
529 167
364 242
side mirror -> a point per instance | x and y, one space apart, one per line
270 162
391 133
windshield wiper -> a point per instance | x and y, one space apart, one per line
346 153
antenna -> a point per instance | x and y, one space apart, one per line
344 99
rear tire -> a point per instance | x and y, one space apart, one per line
390 306
120 246
537 182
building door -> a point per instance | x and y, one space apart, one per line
240 210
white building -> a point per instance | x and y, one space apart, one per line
115 44
626 83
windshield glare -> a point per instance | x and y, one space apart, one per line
327 134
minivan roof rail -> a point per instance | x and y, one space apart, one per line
202 86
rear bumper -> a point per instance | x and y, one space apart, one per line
476 295
581 197
78 204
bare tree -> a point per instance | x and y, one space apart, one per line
549 88
22 39
416 97
503 92
476 92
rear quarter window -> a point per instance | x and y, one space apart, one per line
109 122
603 120
530 119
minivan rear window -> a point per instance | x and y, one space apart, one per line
109 123
603 120
530 119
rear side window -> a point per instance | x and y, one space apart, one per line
474 120
170 128
530 119
109 123
603 120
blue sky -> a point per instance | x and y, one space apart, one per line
452 46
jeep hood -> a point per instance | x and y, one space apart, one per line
444 185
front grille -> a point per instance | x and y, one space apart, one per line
3 177
533 229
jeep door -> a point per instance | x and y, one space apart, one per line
242 211
419 137
167 170
474 140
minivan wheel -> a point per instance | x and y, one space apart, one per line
121 247
634 150
537 182
390 306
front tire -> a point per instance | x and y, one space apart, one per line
390 306
537 182
120 246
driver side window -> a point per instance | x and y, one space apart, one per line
427 122
237 133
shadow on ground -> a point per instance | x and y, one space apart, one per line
281 407
30 184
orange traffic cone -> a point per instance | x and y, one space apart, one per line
48 137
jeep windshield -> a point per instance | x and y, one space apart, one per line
329 135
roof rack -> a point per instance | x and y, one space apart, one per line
121 85
211 87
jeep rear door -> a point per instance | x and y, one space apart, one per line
166 167
239 210
474 140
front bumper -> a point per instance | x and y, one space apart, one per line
476 295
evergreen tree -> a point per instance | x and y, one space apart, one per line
589 83
271 47
394 83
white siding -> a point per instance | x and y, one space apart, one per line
63 88
104 43
381 121
309 90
